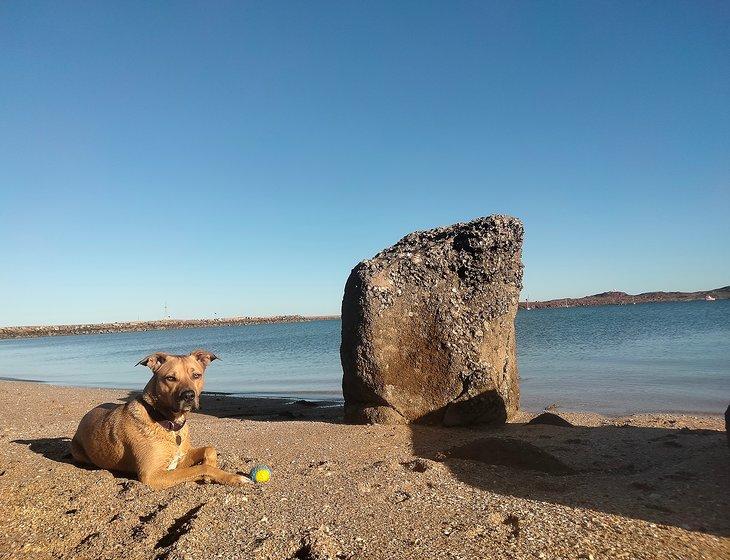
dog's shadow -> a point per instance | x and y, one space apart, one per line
58 449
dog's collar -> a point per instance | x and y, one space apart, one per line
170 425
158 417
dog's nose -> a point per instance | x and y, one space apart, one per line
187 395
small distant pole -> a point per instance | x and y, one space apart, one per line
166 316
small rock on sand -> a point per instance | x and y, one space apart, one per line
551 420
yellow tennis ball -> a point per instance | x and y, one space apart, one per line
260 474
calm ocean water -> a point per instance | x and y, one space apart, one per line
613 359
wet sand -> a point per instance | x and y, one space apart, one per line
643 486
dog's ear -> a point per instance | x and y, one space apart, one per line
203 356
153 361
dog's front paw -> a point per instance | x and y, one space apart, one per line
238 480
244 480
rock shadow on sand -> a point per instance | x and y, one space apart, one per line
669 476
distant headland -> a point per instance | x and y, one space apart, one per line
159 325
622 298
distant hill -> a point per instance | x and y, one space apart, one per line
622 298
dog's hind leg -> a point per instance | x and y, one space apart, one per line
78 453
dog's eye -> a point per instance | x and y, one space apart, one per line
170 378
197 375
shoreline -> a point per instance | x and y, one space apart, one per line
338 402
39 331
646 486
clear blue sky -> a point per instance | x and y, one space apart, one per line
241 158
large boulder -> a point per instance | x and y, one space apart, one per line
428 329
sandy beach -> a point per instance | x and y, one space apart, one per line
644 486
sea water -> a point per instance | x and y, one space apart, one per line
608 359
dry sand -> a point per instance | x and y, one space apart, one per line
645 486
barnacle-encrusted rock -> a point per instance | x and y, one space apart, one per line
428 327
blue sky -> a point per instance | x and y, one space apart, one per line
240 158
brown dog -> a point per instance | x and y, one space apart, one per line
148 436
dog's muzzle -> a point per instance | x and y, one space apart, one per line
186 399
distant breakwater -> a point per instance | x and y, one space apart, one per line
163 324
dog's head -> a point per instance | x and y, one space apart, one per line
177 381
